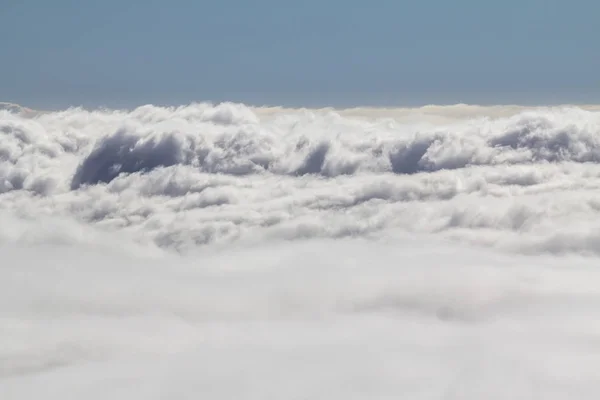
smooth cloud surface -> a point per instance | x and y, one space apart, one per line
225 251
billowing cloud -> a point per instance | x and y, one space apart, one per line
248 252
186 176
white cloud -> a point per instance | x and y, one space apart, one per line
322 319
185 176
330 253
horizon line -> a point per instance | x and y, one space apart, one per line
278 107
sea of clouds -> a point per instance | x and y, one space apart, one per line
226 251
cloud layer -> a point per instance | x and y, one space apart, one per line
181 177
225 251
320 319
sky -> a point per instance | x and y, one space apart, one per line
304 53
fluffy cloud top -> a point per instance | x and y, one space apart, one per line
180 177
224 251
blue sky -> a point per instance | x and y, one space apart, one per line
123 53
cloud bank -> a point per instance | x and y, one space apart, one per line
182 177
227 251
321 319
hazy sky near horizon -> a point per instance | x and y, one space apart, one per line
305 53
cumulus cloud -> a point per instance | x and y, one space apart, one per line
361 253
182 177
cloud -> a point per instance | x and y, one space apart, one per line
415 316
201 174
255 252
